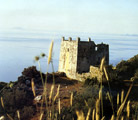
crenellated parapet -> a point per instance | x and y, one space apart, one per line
78 39
76 56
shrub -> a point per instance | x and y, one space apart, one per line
91 82
2 84
26 113
15 99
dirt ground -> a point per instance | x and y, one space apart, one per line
66 88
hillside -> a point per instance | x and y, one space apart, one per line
19 96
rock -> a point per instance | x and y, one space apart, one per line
27 82
2 118
38 98
30 72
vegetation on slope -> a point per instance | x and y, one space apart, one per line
95 101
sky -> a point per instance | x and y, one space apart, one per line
94 16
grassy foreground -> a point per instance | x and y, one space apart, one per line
114 97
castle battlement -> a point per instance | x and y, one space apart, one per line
77 39
76 56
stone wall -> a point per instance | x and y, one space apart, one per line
94 72
102 51
86 55
68 56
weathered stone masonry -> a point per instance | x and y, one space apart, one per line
78 59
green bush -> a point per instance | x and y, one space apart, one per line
15 99
2 84
126 69
82 101
91 82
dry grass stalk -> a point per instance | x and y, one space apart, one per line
97 109
122 96
51 92
128 92
122 118
103 118
2 104
50 52
41 116
100 93
120 109
109 97
113 117
59 110
57 93
9 117
102 63
128 109
93 114
97 117
33 87
18 114
117 100
86 103
50 114
101 69
71 98
122 105
88 114
106 75
80 115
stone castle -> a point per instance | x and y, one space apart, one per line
80 59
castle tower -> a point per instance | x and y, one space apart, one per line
77 56
68 56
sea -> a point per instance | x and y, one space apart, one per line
18 52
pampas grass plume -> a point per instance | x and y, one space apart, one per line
97 109
57 93
33 87
128 109
88 114
102 63
117 100
71 98
113 117
2 104
93 114
51 92
80 115
18 114
59 109
41 116
50 52
122 96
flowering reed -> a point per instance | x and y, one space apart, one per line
33 87
18 114
50 52
128 109
71 98
57 93
2 104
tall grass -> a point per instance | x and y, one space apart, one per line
49 112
